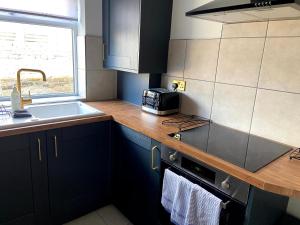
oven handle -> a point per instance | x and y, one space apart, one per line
223 204
153 158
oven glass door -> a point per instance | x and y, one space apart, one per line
234 213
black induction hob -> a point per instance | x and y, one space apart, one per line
242 149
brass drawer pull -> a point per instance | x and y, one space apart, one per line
39 150
55 147
152 158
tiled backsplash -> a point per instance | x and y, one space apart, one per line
101 84
249 79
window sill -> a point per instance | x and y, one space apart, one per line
48 100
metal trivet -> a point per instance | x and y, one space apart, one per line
295 154
4 111
186 122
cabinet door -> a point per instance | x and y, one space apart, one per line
121 21
21 183
136 183
78 170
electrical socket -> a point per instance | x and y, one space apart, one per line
180 83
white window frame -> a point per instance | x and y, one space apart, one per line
34 19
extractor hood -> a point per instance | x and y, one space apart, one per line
237 11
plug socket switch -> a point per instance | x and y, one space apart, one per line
180 84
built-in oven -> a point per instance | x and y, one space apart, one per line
232 192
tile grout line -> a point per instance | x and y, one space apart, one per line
184 62
255 96
239 85
214 88
239 37
183 72
216 72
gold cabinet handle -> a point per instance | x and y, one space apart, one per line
55 147
152 158
39 150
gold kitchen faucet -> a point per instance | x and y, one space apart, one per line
28 100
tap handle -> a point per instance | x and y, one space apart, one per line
29 94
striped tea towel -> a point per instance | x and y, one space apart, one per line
204 208
182 201
170 184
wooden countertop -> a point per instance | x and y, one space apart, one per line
281 176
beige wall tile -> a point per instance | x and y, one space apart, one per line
201 59
93 53
240 60
176 57
277 116
101 85
233 106
257 29
281 65
284 28
197 99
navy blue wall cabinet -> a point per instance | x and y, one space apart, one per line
136 34
54 176
136 176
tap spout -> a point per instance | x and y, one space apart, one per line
19 86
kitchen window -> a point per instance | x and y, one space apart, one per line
40 39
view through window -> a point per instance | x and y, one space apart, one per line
37 47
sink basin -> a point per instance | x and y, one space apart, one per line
62 110
51 113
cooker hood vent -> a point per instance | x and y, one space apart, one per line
239 11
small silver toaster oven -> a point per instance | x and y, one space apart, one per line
160 101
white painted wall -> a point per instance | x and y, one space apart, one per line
100 84
90 17
184 27
93 17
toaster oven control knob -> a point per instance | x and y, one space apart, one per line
225 184
173 157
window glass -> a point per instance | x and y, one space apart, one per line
36 47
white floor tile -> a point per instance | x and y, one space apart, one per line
89 219
112 216
108 215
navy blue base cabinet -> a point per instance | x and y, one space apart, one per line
136 176
78 170
54 176
23 177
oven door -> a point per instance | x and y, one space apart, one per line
234 213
